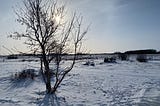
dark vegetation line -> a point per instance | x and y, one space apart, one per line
147 51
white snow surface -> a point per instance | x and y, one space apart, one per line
123 83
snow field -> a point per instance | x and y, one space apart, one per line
123 83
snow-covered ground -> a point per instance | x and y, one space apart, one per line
123 83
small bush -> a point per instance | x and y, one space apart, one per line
28 73
12 57
110 60
141 58
123 57
89 63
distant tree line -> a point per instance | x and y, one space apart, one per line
147 51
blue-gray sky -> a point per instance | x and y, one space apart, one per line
116 25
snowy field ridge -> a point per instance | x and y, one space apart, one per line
125 83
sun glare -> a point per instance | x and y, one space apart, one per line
58 19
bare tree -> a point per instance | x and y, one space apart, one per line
50 34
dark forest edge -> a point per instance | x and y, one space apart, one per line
146 51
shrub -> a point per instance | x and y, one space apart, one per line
110 60
141 58
89 63
123 57
28 73
12 57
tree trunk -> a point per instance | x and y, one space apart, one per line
48 85
48 78
47 71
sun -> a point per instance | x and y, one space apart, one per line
58 19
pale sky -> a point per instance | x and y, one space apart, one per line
116 25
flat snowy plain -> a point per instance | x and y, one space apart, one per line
125 83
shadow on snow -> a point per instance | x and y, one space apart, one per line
20 83
52 100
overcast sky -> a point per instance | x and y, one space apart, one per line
116 25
